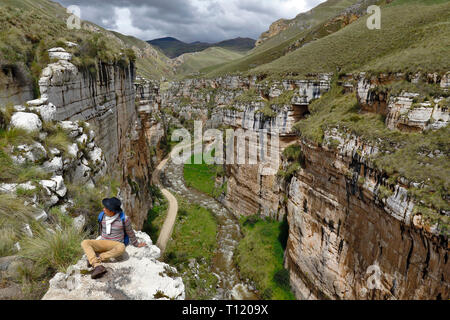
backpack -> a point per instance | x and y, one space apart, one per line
126 239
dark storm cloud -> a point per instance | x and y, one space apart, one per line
189 20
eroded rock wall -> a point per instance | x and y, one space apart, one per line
341 234
106 100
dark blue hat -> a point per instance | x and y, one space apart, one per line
112 204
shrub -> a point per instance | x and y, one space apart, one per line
56 249
88 201
13 216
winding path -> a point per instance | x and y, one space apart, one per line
169 222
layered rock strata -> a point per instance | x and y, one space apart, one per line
105 99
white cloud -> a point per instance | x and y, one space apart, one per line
191 20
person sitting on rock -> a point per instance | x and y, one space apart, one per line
116 232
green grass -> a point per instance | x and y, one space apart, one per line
57 138
194 237
193 62
259 257
53 250
410 34
13 216
203 177
15 173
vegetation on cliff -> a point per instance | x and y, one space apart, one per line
421 158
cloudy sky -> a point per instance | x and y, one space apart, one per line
189 20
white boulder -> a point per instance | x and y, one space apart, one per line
79 222
33 153
26 121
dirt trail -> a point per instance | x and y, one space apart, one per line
167 228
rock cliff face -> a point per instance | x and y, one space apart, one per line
345 240
345 243
106 100
15 85
148 99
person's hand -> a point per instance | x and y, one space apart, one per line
141 245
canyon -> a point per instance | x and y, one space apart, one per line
355 163
339 224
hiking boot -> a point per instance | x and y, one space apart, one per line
99 271
89 264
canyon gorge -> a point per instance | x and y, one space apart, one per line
354 160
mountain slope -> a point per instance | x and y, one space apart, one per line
44 26
411 32
174 48
190 63
290 28
317 23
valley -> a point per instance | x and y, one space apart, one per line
348 127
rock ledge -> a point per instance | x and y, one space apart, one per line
137 275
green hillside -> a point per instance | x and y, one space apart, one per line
193 62
30 27
304 28
411 33
307 20
151 63
174 48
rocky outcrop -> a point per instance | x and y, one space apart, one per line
405 111
274 29
136 275
82 163
346 243
105 99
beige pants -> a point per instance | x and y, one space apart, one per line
107 248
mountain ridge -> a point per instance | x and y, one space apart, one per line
173 47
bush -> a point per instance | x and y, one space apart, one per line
56 249
60 140
13 216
